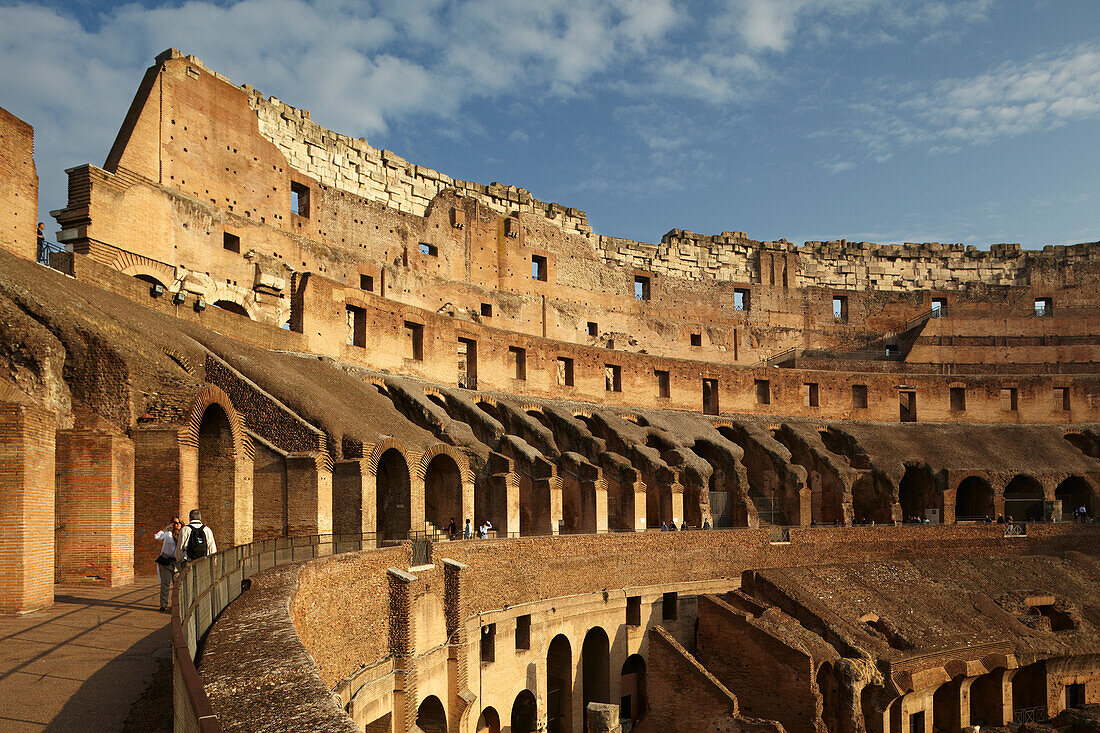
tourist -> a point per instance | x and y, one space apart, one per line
483 529
167 567
42 243
664 526
452 529
706 524
196 540
672 525
467 531
1082 513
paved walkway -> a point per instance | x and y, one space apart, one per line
80 664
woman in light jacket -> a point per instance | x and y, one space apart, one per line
167 567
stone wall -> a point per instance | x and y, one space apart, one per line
19 193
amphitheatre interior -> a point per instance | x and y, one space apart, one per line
881 461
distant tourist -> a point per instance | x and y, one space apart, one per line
664 526
672 526
684 527
196 540
452 529
483 530
706 524
1082 513
41 242
467 531
167 567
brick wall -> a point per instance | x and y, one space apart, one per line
26 507
95 507
19 193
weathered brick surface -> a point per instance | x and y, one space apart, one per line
19 187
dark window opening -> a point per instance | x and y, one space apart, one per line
613 377
299 199
710 396
939 307
231 242
1009 399
669 606
634 610
357 326
1059 620
641 287
1075 695
487 310
366 282
763 392
696 339
810 394
415 336
593 329
565 371
662 384
741 300
892 350
519 361
1044 306
467 363
1061 398
907 402
429 249
859 396
840 308
488 643
958 399
523 631
538 268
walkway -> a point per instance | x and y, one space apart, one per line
81 663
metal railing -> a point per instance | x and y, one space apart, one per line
1015 529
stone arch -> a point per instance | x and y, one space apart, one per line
232 306
524 713
420 466
1075 492
431 717
488 721
917 492
1023 497
145 269
211 395
973 498
390 467
595 669
632 684
559 685
443 492
827 689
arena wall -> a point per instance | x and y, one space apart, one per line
19 193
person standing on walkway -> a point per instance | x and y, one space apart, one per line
167 567
196 540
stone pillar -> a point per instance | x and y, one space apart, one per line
457 674
354 498
806 505
166 478
309 493
548 504
95 508
675 493
402 646
26 507
603 718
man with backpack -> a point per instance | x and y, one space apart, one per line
196 540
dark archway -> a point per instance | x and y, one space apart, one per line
443 492
632 684
489 721
393 496
559 686
524 713
1024 499
216 470
827 688
151 280
871 500
946 701
229 305
431 716
1075 493
986 699
1029 692
973 499
917 493
595 669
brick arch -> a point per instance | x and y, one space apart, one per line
212 395
231 296
420 469
133 265
378 449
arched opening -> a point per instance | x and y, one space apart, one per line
973 499
229 305
541 417
152 281
632 684
443 492
595 670
986 699
1075 494
394 517
491 410
826 687
1024 499
871 501
216 470
559 686
489 721
917 493
431 717
946 703
1029 692
524 713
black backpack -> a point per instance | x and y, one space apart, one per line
196 543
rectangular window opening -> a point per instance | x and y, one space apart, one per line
518 357
939 307
523 631
299 199
613 377
741 299
1009 399
467 363
366 282
696 339
231 242
429 249
415 338
763 392
1043 306
641 287
593 329
859 396
634 610
488 643
669 604
810 394
487 310
538 268
663 390
357 326
710 396
565 371
907 404
840 308
1061 398
958 399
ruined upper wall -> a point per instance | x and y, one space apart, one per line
19 189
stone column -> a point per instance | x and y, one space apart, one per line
354 497
603 718
309 493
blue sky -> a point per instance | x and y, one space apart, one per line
973 121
